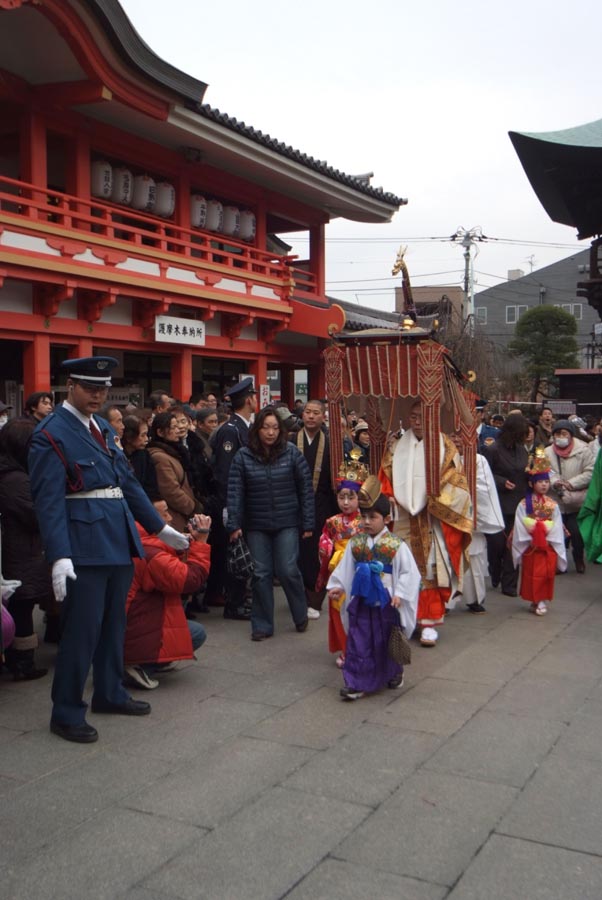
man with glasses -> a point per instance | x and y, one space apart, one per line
86 499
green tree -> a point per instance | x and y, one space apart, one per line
544 338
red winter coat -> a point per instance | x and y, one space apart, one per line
157 630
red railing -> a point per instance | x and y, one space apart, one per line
138 230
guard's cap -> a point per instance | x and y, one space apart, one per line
241 389
4 407
92 370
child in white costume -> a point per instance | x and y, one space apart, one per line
377 575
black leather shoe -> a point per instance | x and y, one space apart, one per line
131 707
510 593
242 613
80 734
302 626
260 636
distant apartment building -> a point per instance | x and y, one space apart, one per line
498 309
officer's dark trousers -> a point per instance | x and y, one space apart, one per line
93 625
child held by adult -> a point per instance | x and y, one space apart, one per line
538 537
378 576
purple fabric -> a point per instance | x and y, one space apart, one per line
367 663
7 632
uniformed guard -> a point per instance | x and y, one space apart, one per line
86 499
225 442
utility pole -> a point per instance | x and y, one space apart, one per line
468 238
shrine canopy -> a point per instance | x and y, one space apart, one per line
381 373
565 171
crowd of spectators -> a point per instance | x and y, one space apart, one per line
220 471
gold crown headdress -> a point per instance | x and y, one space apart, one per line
539 464
352 472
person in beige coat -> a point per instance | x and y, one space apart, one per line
171 462
572 465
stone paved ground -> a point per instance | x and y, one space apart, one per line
480 780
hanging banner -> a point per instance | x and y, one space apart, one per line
264 395
179 331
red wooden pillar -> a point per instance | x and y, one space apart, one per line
83 348
317 260
33 157
259 369
78 176
181 374
316 388
36 364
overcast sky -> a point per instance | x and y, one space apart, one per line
423 94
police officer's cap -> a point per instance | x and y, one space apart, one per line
242 389
92 370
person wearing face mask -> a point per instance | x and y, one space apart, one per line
572 467
4 414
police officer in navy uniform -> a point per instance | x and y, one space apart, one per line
225 442
86 499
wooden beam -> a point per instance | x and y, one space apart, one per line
72 93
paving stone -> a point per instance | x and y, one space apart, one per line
74 793
262 851
569 656
541 696
220 781
206 725
482 664
561 805
430 828
507 868
292 684
436 706
8 734
336 879
366 765
497 747
36 753
318 720
113 852
144 894
26 714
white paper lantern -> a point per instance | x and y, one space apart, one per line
215 215
145 193
198 211
123 186
231 220
248 225
101 179
165 203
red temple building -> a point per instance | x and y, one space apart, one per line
140 222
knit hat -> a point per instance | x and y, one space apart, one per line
563 424
362 425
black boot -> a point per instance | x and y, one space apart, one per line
21 665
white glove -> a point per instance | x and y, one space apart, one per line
9 587
173 538
62 569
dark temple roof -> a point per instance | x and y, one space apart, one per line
565 171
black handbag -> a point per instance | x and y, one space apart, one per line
239 561
399 648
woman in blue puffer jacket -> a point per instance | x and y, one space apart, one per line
270 498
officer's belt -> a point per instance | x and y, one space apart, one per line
108 493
